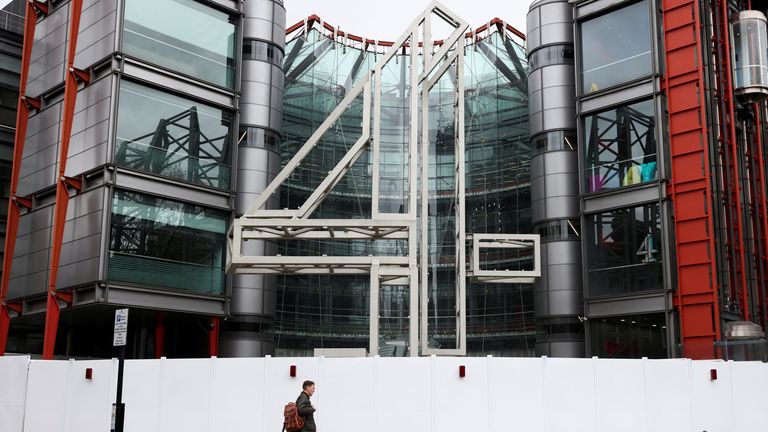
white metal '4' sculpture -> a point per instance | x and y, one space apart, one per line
411 224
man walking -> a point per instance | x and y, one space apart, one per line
304 406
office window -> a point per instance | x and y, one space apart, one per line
167 244
172 136
616 48
629 336
625 251
621 147
184 36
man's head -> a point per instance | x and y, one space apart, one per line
308 387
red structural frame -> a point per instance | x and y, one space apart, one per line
696 298
24 107
338 33
72 79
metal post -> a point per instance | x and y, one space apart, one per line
119 415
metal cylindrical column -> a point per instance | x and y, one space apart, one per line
247 333
555 178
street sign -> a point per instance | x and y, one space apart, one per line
121 327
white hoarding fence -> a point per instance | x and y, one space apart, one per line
391 394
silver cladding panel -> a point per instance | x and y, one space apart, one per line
88 146
245 344
261 103
265 20
555 174
96 39
549 22
256 167
46 67
554 189
552 98
79 262
261 106
40 157
558 292
561 348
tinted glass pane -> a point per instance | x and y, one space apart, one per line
625 251
616 48
621 147
629 336
176 137
167 244
182 35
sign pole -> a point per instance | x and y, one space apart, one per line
118 341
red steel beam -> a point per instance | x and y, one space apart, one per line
213 337
62 182
312 19
23 108
696 298
160 335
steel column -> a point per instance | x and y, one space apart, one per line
690 191
24 106
72 78
160 335
213 337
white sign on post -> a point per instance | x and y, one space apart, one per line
121 327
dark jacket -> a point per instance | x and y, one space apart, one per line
306 410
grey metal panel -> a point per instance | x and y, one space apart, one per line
619 97
245 344
251 296
260 71
558 75
256 92
558 118
30 243
48 117
87 160
46 67
560 184
258 29
587 8
555 33
40 171
78 273
556 13
559 162
229 4
81 249
559 97
258 9
574 348
96 39
204 197
561 207
179 84
164 300
85 204
29 284
621 198
256 115
626 305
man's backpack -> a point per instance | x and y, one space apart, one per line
292 422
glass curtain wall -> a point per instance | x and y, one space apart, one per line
616 48
177 138
167 244
184 36
332 311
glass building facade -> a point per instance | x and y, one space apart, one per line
332 311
